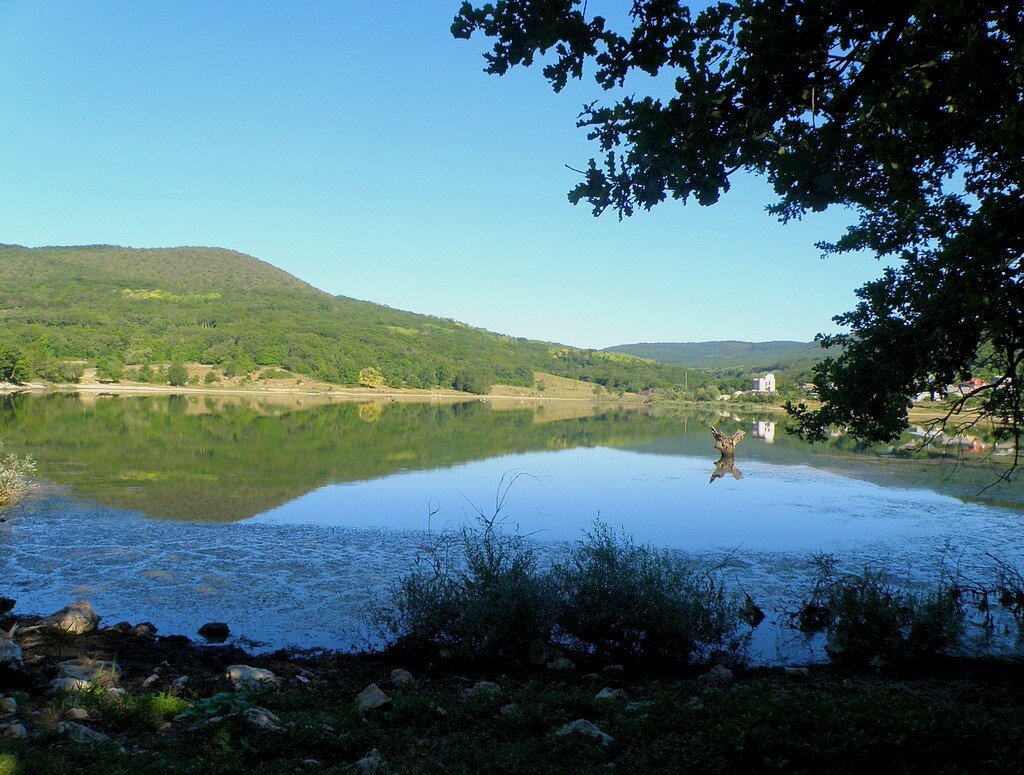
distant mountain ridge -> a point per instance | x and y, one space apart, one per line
221 307
728 354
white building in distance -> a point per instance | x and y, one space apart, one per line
765 384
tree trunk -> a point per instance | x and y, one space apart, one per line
726 444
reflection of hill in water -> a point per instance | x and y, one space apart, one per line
222 459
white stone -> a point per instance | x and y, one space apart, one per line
371 764
482 690
402 678
719 675
81 734
76 619
372 698
77 714
797 672
8 705
584 728
243 675
150 681
609 693
261 718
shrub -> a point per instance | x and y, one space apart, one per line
211 377
15 477
867 616
634 602
177 374
480 593
14 366
109 370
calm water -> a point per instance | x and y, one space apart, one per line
290 518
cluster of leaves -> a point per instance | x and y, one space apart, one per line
485 596
237 313
867 616
906 113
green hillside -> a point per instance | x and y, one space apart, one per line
727 354
209 305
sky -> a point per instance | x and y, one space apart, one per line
360 147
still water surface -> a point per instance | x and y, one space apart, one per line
290 518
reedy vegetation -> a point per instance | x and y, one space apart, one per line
15 477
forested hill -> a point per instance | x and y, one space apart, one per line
727 354
209 305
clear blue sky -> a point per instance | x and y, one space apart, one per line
359 146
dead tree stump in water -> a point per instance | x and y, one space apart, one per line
726 444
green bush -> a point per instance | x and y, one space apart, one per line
109 370
480 593
211 377
867 616
14 366
15 477
632 602
177 374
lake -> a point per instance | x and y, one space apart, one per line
290 517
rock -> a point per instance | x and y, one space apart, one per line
371 764
122 627
402 679
372 698
607 693
263 719
483 690
81 734
694 703
584 728
508 710
180 682
116 692
89 670
847 684
150 681
614 669
719 676
13 731
636 707
242 675
542 652
7 604
143 630
8 705
76 619
796 672
561 664
77 714
69 685
11 654
446 654
215 632
302 681
878 662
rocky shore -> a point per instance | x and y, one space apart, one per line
76 696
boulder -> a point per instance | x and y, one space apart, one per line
243 675
7 604
614 669
80 734
797 672
77 714
508 710
615 695
143 630
371 764
215 632
402 678
694 703
13 731
69 685
263 719
8 705
561 664
583 728
372 698
11 654
76 619
483 690
89 670
150 681
718 676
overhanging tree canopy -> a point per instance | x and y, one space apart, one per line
909 113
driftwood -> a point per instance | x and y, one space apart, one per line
726 444
727 462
